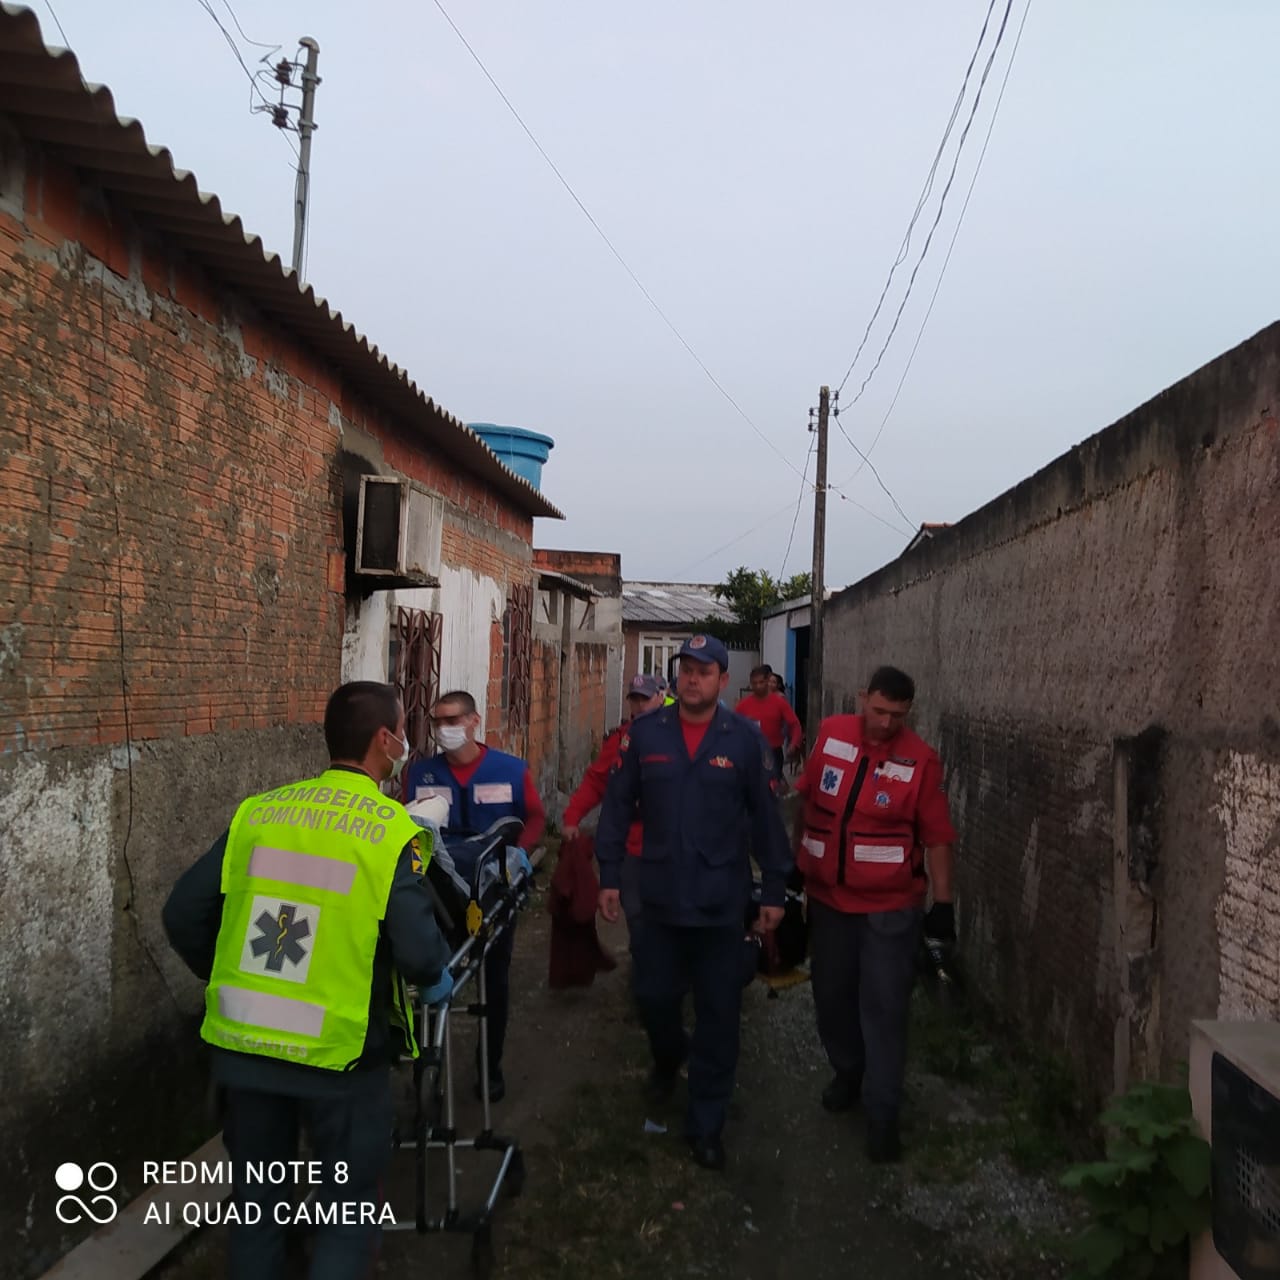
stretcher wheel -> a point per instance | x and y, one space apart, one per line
482 1252
515 1174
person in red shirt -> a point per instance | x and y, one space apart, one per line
873 837
644 693
777 721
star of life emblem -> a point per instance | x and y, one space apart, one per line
280 939
832 777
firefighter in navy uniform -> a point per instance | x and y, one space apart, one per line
874 822
482 785
703 779
305 918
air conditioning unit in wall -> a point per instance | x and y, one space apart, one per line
398 532
1235 1096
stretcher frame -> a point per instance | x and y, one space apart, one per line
433 1125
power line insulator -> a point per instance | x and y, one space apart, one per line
280 117
284 71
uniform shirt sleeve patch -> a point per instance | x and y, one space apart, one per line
896 771
832 777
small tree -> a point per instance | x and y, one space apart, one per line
748 593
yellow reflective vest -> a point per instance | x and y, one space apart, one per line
306 878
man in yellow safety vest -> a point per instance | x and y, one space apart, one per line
306 918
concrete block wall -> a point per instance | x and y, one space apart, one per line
1095 659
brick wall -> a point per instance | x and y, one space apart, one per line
1094 653
172 604
600 570
590 668
544 721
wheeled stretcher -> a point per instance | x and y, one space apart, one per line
497 883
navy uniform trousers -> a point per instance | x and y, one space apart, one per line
670 961
352 1127
863 968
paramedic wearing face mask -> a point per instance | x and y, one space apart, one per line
305 918
481 785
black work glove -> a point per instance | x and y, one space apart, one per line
940 922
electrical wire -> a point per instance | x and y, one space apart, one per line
635 279
866 458
942 204
253 83
66 44
271 48
769 519
925 192
875 515
866 461
804 487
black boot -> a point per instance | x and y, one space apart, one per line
708 1152
843 1092
883 1144
661 1084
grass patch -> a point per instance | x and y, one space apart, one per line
1033 1094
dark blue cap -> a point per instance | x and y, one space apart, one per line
705 649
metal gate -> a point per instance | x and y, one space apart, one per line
417 674
519 664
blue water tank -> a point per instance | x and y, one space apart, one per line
523 451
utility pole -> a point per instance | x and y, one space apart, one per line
818 576
306 127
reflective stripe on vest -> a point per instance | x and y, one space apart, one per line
495 790
849 842
305 879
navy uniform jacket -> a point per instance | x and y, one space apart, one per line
702 819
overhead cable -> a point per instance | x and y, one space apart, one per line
586 213
924 193
942 203
915 346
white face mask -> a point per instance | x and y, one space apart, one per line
451 737
399 762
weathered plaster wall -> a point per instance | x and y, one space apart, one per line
1095 656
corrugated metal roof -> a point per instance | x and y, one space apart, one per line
42 92
552 579
675 603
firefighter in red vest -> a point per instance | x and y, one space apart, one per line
873 837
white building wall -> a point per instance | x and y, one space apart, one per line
740 663
773 643
470 602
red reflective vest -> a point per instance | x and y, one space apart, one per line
862 849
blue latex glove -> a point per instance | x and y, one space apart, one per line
439 991
525 865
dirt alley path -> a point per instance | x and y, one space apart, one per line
605 1198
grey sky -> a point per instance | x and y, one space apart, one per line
756 165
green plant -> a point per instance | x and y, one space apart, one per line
748 593
1150 1194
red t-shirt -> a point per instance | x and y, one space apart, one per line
773 712
693 735
535 816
